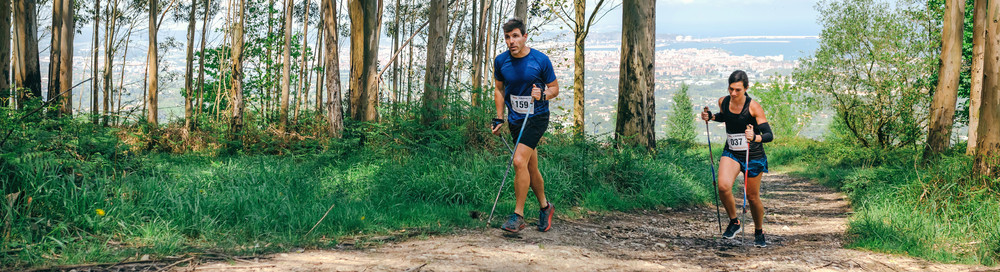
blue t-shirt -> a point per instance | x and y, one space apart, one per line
518 75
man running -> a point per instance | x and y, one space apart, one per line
747 129
524 76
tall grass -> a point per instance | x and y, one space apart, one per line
103 202
935 210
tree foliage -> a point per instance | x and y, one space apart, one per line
872 66
680 120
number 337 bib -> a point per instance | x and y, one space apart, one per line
523 104
737 142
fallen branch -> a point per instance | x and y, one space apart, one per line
320 220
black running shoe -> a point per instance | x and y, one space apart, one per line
545 218
758 240
514 224
734 226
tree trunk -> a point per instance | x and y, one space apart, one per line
152 65
55 47
189 70
453 52
943 104
236 122
27 74
286 69
409 68
521 11
579 61
395 62
636 110
67 32
94 112
437 37
366 20
5 90
479 55
303 88
988 141
975 94
201 66
334 112
270 94
109 35
319 59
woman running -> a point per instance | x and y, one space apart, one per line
747 129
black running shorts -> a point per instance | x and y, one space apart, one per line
533 132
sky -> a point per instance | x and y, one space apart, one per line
720 18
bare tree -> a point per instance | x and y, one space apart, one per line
67 32
303 93
111 19
479 55
236 120
55 48
152 65
95 52
943 104
636 110
5 53
580 24
334 111
976 91
201 63
988 141
189 70
286 71
27 74
521 11
437 38
366 19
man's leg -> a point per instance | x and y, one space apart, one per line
522 176
537 183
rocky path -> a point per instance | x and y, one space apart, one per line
805 222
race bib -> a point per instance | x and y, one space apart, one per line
738 142
522 104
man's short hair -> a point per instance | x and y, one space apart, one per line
512 24
740 76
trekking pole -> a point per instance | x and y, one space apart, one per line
715 184
504 141
746 175
511 163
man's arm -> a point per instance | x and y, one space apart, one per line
551 90
498 98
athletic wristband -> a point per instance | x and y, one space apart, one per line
497 122
766 135
710 115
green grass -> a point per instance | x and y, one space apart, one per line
934 210
250 202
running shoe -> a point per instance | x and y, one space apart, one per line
731 230
758 240
545 217
514 224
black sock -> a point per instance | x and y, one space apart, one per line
758 231
735 221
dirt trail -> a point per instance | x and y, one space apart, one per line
805 223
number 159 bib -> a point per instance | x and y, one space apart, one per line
522 104
737 142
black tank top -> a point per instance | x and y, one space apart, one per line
737 124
